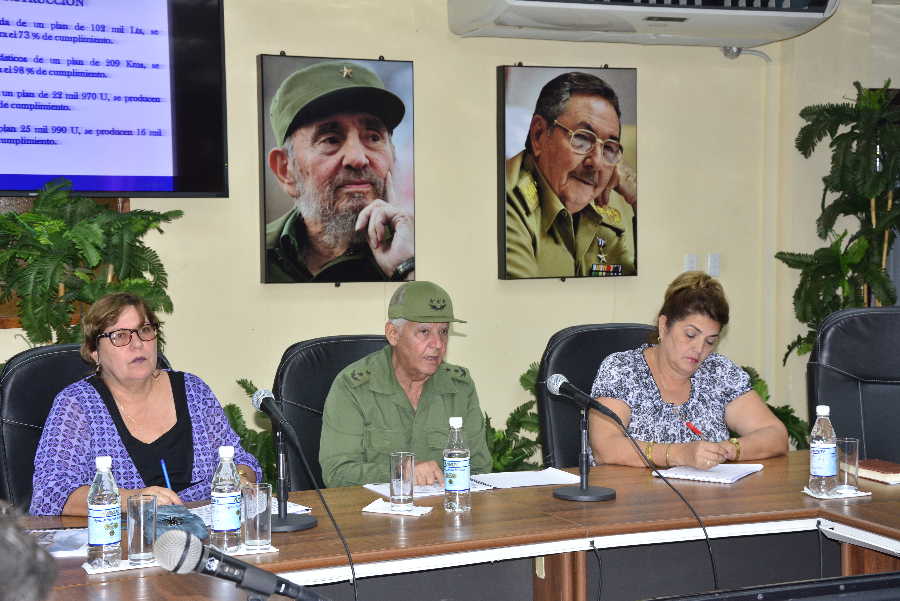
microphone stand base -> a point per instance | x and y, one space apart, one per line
293 522
572 493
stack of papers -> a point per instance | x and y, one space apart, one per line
480 482
724 473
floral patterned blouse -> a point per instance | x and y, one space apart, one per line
717 382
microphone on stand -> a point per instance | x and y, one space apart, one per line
559 385
181 552
263 400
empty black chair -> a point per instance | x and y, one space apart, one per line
577 352
855 369
28 384
302 382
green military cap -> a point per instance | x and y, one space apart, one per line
424 302
328 88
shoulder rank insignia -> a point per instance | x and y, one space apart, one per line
359 376
457 371
528 188
610 214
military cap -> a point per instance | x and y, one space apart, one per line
424 302
328 88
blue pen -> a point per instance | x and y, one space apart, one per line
162 464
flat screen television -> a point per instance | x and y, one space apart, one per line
872 587
123 98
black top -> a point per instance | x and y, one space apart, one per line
175 446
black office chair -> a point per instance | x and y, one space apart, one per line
576 353
302 382
28 384
855 369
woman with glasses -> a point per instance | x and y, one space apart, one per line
134 412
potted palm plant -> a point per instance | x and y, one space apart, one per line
68 251
863 183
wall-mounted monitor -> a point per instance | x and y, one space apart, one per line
122 98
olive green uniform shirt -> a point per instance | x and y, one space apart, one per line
543 239
285 239
368 416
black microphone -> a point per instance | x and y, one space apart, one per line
263 400
181 552
559 385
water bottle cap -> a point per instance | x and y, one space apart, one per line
456 422
103 463
823 410
226 452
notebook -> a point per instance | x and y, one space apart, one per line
724 473
880 470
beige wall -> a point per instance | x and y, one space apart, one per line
718 173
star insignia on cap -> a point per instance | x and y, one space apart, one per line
346 72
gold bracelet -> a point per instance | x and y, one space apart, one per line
648 450
737 448
668 448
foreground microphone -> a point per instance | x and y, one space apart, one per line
263 400
558 384
181 552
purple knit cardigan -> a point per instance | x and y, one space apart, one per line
79 428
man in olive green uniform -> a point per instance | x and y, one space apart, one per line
570 199
334 120
401 398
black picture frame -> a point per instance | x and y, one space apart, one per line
532 245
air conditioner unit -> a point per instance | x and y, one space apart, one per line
741 23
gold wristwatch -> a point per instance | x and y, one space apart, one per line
737 447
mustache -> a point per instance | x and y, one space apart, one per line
587 175
355 176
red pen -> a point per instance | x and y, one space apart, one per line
695 430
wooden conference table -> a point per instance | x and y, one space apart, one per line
523 523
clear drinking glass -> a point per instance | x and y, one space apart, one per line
403 478
848 465
256 515
141 528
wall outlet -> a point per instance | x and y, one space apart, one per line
690 262
713 264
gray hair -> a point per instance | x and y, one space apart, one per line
27 570
399 322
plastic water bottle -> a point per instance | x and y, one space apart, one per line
822 453
225 533
456 469
104 517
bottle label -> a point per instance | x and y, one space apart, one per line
226 510
456 474
823 460
104 524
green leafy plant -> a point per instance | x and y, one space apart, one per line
510 451
260 443
68 251
864 137
798 429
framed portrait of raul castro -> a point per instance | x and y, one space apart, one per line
567 164
337 193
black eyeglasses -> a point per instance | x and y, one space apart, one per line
122 337
584 141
